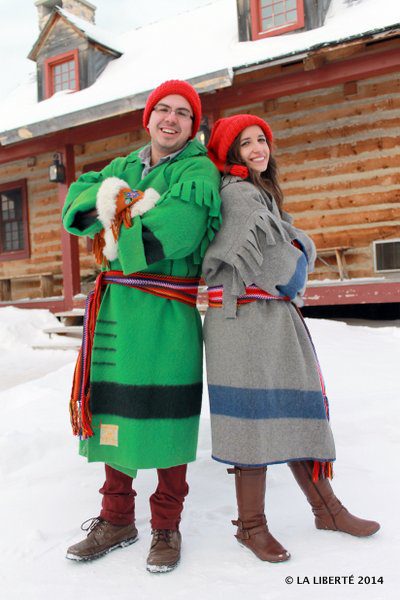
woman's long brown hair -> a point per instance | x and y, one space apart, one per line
268 180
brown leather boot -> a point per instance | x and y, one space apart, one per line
252 526
328 510
101 539
165 550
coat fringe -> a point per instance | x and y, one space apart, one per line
248 255
202 193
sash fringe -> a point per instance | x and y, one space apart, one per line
182 289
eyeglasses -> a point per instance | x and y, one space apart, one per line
180 113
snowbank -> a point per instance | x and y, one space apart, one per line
48 490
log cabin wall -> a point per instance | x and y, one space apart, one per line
45 214
44 226
339 155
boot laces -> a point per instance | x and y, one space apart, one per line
91 524
162 534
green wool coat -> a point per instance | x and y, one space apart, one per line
146 370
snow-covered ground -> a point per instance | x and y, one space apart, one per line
47 490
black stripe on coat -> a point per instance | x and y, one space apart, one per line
153 249
146 401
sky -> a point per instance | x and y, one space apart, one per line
19 28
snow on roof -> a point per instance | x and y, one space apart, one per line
188 46
94 33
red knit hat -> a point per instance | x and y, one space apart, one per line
174 86
224 133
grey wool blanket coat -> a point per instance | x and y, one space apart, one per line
266 400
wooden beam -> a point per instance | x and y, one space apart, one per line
358 67
352 293
55 305
76 135
69 243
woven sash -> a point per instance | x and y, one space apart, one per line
182 289
252 293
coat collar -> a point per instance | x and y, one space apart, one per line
193 148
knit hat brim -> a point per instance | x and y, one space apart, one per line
224 133
172 87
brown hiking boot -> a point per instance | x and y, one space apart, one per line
329 512
165 550
252 529
101 539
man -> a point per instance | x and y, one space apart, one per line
152 214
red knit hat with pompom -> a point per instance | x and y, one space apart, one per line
174 86
224 133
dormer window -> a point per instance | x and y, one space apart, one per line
62 73
273 17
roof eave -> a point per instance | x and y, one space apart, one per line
205 83
299 54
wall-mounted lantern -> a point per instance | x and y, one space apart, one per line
203 135
57 169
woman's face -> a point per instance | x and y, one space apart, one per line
253 148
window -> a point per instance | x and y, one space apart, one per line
14 234
62 73
386 255
273 17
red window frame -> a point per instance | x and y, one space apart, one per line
54 61
25 251
256 21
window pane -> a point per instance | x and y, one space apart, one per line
64 76
267 24
290 4
279 20
292 16
11 221
279 7
266 12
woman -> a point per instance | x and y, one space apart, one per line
267 397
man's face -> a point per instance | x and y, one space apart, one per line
170 125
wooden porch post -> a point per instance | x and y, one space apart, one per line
69 243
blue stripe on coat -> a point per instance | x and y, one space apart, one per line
297 281
245 403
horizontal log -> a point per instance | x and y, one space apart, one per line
349 219
364 181
333 115
118 142
313 100
355 237
336 168
45 236
337 133
343 202
343 149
